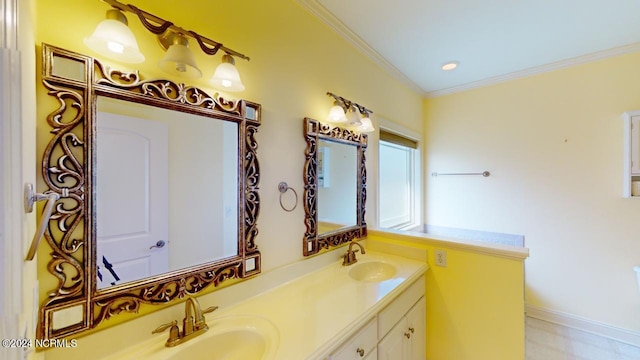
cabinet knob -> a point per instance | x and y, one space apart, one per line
412 330
360 352
408 335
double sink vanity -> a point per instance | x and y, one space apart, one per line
367 306
371 309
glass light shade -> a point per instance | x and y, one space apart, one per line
179 60
226 77
353 117
336 114
113 38
367 125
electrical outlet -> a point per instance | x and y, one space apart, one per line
441 258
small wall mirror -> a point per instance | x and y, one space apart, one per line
334 186
158 185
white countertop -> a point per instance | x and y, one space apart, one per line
316 312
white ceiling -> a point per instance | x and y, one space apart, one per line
493 40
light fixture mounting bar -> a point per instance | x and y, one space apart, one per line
159 26
348 103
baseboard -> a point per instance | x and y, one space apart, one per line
579 323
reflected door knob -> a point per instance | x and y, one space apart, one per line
159 244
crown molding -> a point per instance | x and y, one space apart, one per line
599 55
316 9
319 11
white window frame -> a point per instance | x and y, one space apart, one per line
416 206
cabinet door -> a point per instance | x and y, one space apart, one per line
416 326
360 346
395 345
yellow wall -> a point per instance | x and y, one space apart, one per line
295 60
553 144
475 305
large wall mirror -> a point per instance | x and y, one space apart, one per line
335 183
158 186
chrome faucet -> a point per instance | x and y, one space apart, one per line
193 324
350 256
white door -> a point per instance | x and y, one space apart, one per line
131 198
17 167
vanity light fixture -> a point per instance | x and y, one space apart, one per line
347 111
178 60
336 114
367 125
353 117
227 76
115 40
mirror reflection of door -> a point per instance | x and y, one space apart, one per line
187 195
337 196
131 198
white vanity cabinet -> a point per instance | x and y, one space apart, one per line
406 340
396 332
361 346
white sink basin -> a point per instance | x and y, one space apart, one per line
238 337
372 271
231 338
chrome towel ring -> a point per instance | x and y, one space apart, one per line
283 188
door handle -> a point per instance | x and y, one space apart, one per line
159 244
30 198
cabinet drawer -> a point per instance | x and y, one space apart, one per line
364 342
390 315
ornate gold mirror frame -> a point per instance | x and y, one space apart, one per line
75 304
314 242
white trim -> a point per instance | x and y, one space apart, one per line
599 55
399 129
10 177
472 246
319 11
583 324
417 170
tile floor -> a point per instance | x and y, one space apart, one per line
547 341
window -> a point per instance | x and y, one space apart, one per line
399 183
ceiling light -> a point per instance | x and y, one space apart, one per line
450 66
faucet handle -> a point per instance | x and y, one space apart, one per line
209 309
164 327
174 332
